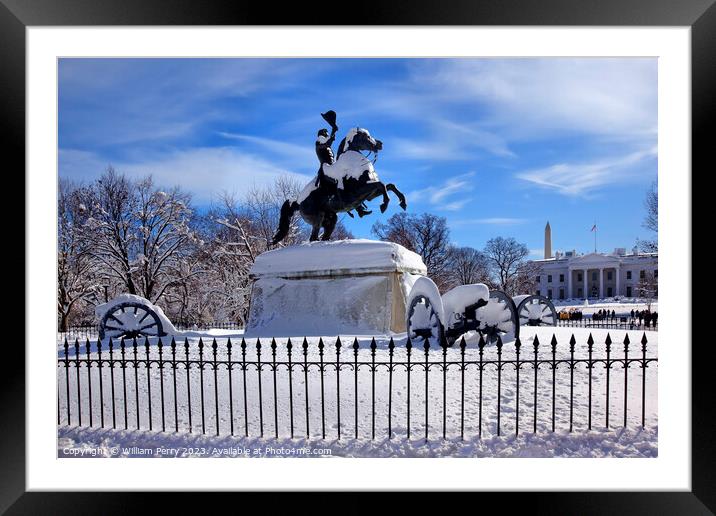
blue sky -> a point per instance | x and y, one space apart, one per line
497 146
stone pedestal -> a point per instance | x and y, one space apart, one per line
345 287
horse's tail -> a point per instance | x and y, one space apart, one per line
287 210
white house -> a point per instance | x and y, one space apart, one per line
595 275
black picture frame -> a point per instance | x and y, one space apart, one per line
700 15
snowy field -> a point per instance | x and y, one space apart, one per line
276 417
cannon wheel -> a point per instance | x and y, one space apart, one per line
129 320
424 321
537 311
499 318
424 315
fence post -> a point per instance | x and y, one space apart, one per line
101 390
518 345
243 374
111 377
444 346
499 380
289 348
216 387
572 342
174 380
590 347
391 348
626 376
305 377
149 381
608 343
355 382
89 379
188 380
426 346
136 378
275 395
338 384
462 388
480 347
323 400
643 379
408 350
372 386
535 346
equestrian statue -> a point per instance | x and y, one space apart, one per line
343 183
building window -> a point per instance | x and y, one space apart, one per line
561 278
537 292
609 275
579 276
549 278
561 293
628 291
609 291
549 293
656 273
594 276
642 274
537 279
580 292
628 274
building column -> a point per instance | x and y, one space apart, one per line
584 289
601 283
569 283
616 271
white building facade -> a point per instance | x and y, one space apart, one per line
595 275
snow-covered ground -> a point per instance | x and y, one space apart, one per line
595 443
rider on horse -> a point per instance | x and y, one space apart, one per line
324 152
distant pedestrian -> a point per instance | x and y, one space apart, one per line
614 314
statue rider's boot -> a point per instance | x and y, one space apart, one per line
362 212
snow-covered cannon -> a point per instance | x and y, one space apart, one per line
444 319
128 316
492 314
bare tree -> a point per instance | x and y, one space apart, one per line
651 220
426 234
468 265
507 260
110 229
163 237
648 288
77 280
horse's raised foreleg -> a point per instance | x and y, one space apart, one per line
392 188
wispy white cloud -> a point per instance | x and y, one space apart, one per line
526 99
581 179
205 172
442 196
301 156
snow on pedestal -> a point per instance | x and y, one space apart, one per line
344 287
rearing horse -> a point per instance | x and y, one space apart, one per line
357 183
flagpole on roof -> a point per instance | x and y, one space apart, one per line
595 235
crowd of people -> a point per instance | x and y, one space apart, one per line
573 314
645 317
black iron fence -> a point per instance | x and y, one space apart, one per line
91 331
611 323
259 388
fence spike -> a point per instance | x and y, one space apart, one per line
535 343
289 345
338 343
463 345
373 346
553 343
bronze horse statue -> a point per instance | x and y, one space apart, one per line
356 183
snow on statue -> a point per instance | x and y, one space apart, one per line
342 184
